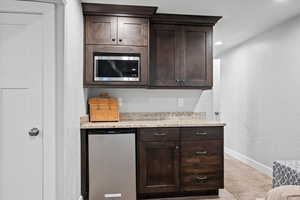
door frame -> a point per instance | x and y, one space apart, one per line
49 105
47 9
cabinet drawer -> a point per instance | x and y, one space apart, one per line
194 182
200 133
159 134
201 161
201 148
199 169
201 155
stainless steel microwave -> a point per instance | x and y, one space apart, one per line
117 67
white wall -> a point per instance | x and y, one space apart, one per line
150 100
216 91
73 99
260 95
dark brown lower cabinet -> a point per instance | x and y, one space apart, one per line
159 167
172 162
180 161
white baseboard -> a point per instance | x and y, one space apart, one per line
249 161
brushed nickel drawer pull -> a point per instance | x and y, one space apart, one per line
201 152
160 134
201 178
201 133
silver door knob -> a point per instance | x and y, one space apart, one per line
34 132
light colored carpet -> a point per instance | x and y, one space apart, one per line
223 195
245 182
242 182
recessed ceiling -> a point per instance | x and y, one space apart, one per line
242 19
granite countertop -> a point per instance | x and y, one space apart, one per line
148 120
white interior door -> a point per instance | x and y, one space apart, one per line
21 67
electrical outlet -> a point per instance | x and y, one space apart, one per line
120 101
180 102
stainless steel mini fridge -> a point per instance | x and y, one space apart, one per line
112 165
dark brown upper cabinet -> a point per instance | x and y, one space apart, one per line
180 46
133 31
197 58
116 30
112 30
164 55
101 30
181 51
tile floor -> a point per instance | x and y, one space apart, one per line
242 182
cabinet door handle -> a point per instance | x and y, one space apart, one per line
120 40
201 178
198 153
113 39
201 133
177 147
160 134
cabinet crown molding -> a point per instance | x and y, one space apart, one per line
201 20
118 10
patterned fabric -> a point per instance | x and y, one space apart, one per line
286 173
